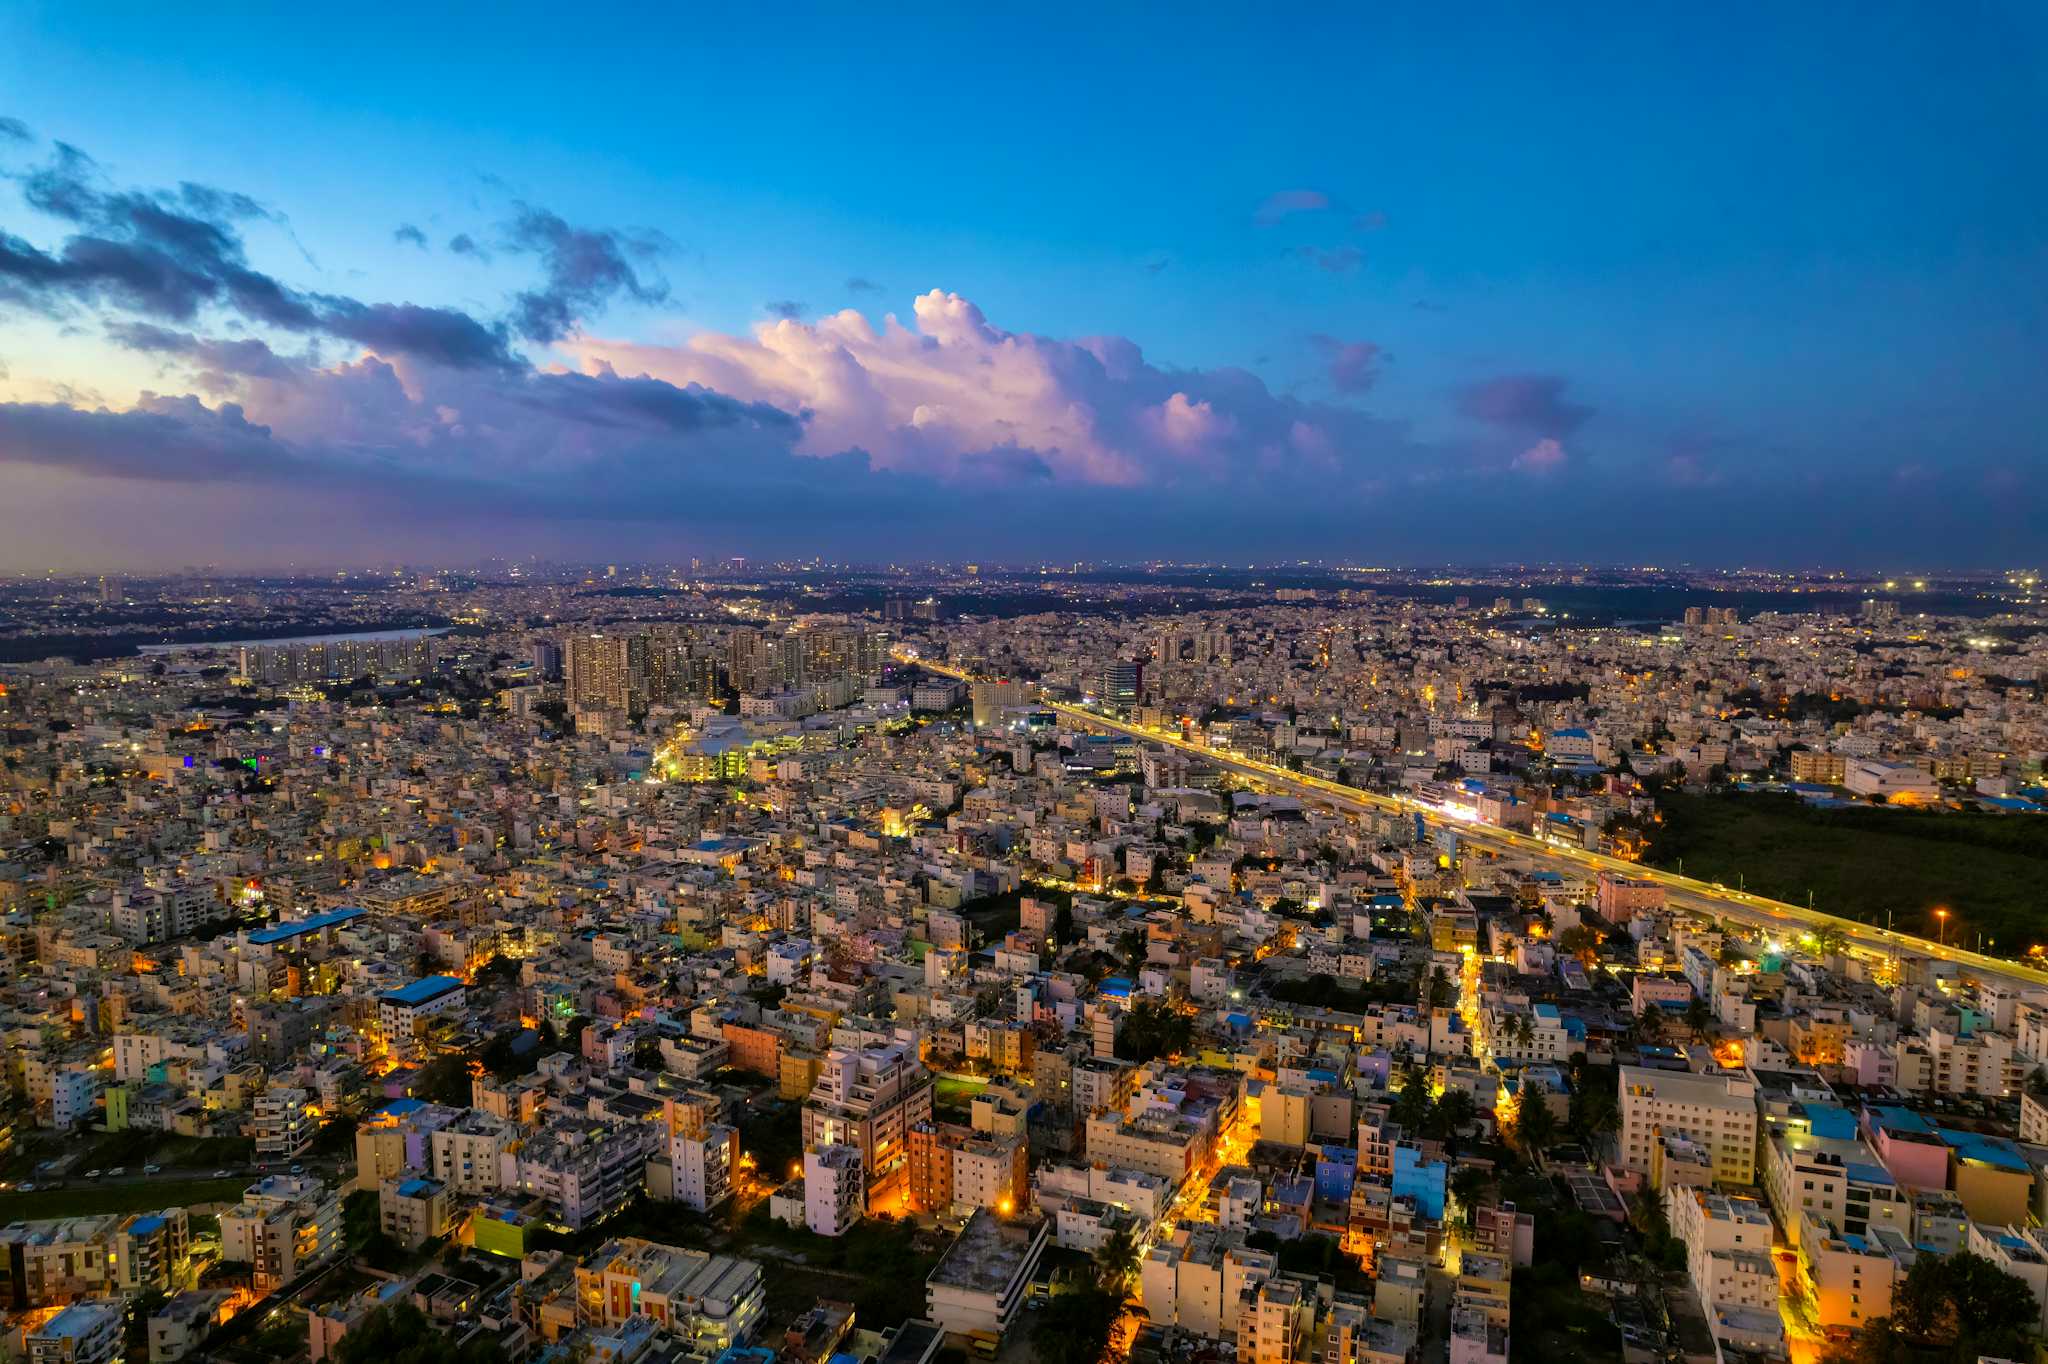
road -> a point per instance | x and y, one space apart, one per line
1684 892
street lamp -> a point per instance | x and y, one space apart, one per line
1941 927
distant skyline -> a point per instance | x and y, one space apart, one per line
1760 286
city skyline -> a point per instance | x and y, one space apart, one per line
1635 289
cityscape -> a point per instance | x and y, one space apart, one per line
921 687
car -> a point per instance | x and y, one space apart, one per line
152 1169
117 1172
298 1169
94 1174
223 1174
27 1187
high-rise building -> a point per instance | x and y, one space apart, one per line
606 672
547 660
1117 684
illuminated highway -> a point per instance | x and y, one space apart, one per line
1684 892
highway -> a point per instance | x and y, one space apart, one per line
1683 892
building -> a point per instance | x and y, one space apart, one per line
402 1013
413 1210
284 1225
285 1120
1716 1111
1201 1278
869 1098
1727 1241
83 1333
978 1284
605 672
712 1301
834 1189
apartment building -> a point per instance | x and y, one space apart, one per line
869 1098
1717 1111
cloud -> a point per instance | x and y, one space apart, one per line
462 244
168 256
1288 202
1529 403
585 269
14 130
936 396
861 285
1154 265
219 361
1352 366
407 234
786 308
1336 260
1544 457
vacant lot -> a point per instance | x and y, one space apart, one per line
1989 871
85 1199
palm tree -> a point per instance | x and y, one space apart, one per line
1535 1123
1412 1106
1592 1114
1116 1262
1649 1024
1468 1186
1699 1018
1451 1114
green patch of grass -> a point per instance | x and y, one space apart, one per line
142 1196
1987 870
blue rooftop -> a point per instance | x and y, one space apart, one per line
421 991
285 932
415 1188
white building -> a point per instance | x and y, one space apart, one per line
1717 1111
833 1189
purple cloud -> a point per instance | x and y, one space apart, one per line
1353 366
1530 403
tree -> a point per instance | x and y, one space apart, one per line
401 1334
1592 1114
1535 1124
1468 1186
1699 1018
1580 941
1063 924
1075 1324
1442 994
1151 1030
1449 1116
1648 1025
1413 1105
1116 1262
1967 1302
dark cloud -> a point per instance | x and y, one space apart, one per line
167 256
861 285
1529 404
786 308
14 130
444 336
161 439
462 244
222 359
405 234
585 269
1336 260
1353 366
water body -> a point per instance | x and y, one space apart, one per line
360 637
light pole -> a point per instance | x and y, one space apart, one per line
1941 927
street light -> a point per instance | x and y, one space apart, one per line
1941 927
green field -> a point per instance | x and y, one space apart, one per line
85 1199
1989 871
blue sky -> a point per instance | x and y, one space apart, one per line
1746 245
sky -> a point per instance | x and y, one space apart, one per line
1735 285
